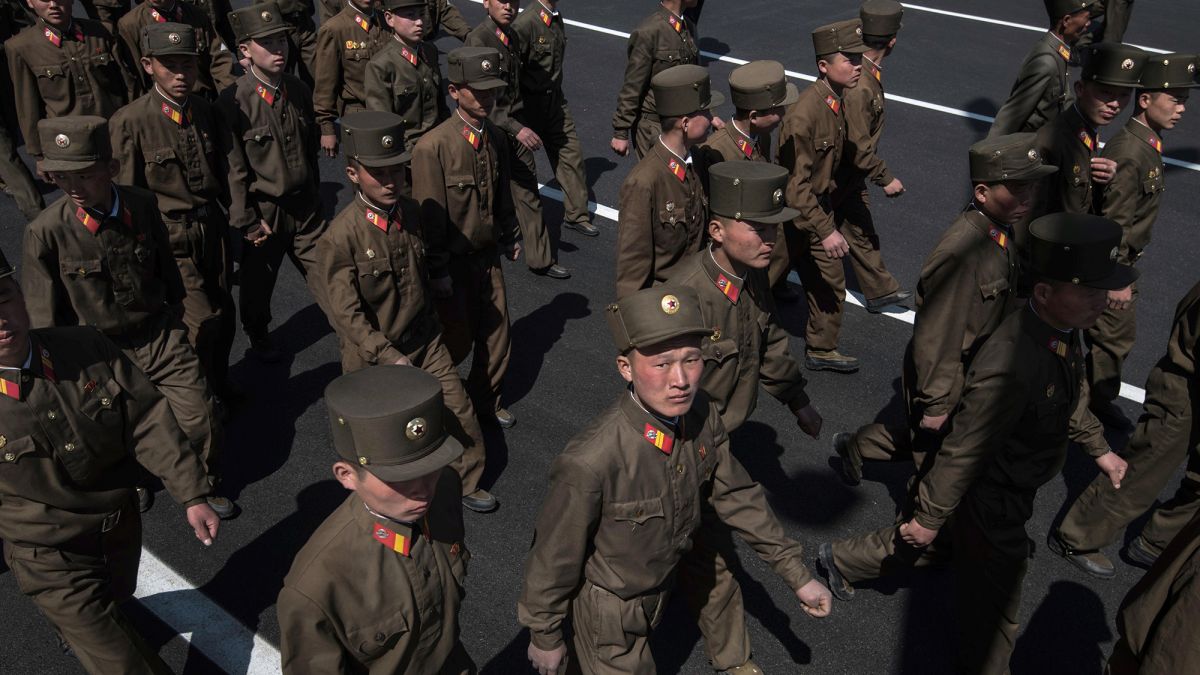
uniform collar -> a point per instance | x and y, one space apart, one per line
672 153
55 35
727 282
357 10
379 216
1059 342
1143 131
551 12
875 69
1062 48
657 433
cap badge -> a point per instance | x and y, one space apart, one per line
62 140
1049 391
1191 68
416 429
387 142
363 461
670 206
1127 64
485 66
266 16
1112 255
670 304
174 38
858 31
777 197
1033 156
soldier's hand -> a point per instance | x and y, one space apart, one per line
258 234
402 361
1103 170
1120 299
894 188
934 422
809 421
1112 465
835 245
204 522
329 143
547 662
529 138
514 251
619 146
442 288
917 535
815 599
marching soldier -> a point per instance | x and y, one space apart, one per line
214 63
80 422
302 40
460 179
373 262
663 40
663 206
106 12
1042 89
1021 403
1113 19
543 43
391 557
439 16
346 41
628 493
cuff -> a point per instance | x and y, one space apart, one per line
928 522
328 129
797 575
545 641
799 401
192 502
621 134
884 178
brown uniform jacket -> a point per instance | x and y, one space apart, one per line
376 282
727 145
414 91
217 12
620 512
1069 143
543 46
272 147
71 445
466 204
217 65
1171 384
1131 198
1009 435
182 162
506 112
655 45
114 280
662 219
343 49
88 76
1041 92
812 139
439 15
747 346
968 286
353 604
864 112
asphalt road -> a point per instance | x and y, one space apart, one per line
562 374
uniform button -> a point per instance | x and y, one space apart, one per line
69 447
8 456
639 513
26 378
379 637
105 401
52 415
680 469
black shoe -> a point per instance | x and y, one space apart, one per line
505 419
554 271
262 348
784 293
145 499
851 459
1094 563
480 501
830 360
585 228
1137 552
1111 416
841 589
878 304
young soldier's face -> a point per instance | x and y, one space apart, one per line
1075 25
406 22
502 11
90 187
765 121
1101 103
1164 109
173 73
53 12
750 244
665 376
1008 203
477 103
379 185
1066 305
268 54
696 127
14 323
842 69
406 501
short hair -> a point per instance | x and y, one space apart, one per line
877 41
671 123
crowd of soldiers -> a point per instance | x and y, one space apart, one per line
183 134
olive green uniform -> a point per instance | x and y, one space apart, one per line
345 43
15 177
302 40
440 15
407 81
106 12
1042 90
217 12
84 422
1070 143
661 41
216 64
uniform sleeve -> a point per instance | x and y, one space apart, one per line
860 122
1119 201
796 155
27 99
222 67
243 212
429 190
1085 429
451 20
1036 75
508 228
41 284
335 264
126 151
1172 645
377 83
940 328
638 69
635 238
327 80
779 373
130 69
565 526
308 641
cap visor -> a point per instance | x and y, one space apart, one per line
447 452
1122 277
791 95
273 30
1035 173
379 162
716 99
67 164
663 336
862 49
1114 83
785 215
488 83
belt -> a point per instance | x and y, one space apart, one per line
189 215
110 521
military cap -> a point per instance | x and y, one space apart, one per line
1057 9
880 18
684 90
388 420
258 21
374 138
73 142
1012 157
476 67
654 315
163 39
1078 248
843 36
392 5
761 85
6 270
749 191
1114 64
1169 71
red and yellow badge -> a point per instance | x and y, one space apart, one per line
154 13
502 36
88 220
472 136
1155 143
266 94
174 115
362 22
999 236
877 73
658 438
727 287
397 542
54 38
545 16
834 104
1065 52
10 388
746 147
408 55
678 168
675 23
1058 347
1086 139
377 220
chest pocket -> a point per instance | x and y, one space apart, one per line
258 142
406 95
717 353
376 276
100 426
672 230
822 146
637 516
372 642
992 290
877 105
1153 184
667 58
81 270
1052 415
50 72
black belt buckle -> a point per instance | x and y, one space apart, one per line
110 521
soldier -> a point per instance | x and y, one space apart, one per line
628 493
106 12
496 32
1042 89
968 286
663 207
346 41
217 12
79 419
439 16
460 178
215 64
274 181
373 263
663 40
391 557
811 146
15 177
1113 20
1020 405
1131 199
174 144
747 347
302 40
543 42
100 256
66 66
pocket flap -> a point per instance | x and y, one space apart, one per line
460 182
12 450
372 641
719 351
160 155
639 512
257 134
993 289
50 71
81 268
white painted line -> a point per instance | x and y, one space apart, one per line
231 646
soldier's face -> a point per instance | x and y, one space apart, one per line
1074 26
696 127
90 187
477 103
406 22
53 12
268 54
502 11
743 244
765 121
1101 103
405 501
1008 203
1164 109
379 185
665 376
1065 305
14 324
842 70
173 73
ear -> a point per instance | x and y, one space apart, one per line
716 231
823 66
1078 88
1144 99
982 192
625 367
453 91
146 66
244 49
1042 292
352 174
346 475
892 43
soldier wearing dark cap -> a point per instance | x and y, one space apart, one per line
1020 406
663 209
1042 89
496 32
372 261
80 422
747 348
663 40
215 64
811 147
404 77
275 204
461 181
101 257
439 16
174 143
378 586
630 490
346 41
967 287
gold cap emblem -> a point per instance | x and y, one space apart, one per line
174 38
1127 64
670 304
387 142
62 140
363 461
416 429
777 197
485 66
266 16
